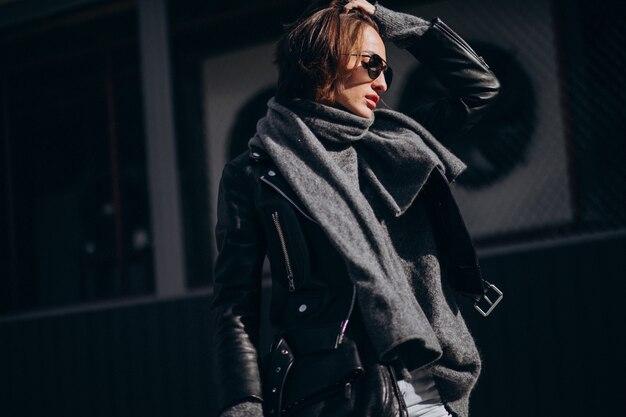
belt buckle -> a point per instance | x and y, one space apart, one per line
491 290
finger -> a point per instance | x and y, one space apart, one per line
350 5
358 4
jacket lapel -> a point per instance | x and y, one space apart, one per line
270 176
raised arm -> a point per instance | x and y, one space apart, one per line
471 85
236 301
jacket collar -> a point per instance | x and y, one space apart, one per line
257 154
270 175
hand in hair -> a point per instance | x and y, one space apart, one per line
363 5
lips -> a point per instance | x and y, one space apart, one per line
371 100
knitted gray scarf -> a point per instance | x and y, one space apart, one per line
351 173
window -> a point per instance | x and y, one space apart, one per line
74 208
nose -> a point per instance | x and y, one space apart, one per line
380 84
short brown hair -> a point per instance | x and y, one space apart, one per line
313 53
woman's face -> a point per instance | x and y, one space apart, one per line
358 93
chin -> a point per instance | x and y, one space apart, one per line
364 112
361 111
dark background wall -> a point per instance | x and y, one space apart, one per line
554 347
92 323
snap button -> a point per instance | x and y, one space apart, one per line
277 369
271 173
302 308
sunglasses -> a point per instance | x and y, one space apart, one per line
375 65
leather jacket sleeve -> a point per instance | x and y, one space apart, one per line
471 85
236 301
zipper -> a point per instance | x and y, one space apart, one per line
268 182
344 323
283 244
404 410
347 391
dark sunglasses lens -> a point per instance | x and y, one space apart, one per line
375 67
375 61
388 76
374 72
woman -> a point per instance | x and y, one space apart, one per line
353 208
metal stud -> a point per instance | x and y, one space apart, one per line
278 369
271 173
302 308
284 351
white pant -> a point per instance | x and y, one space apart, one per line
421 396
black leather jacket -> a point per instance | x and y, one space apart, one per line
259 214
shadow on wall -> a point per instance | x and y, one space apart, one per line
499 142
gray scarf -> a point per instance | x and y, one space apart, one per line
351 173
